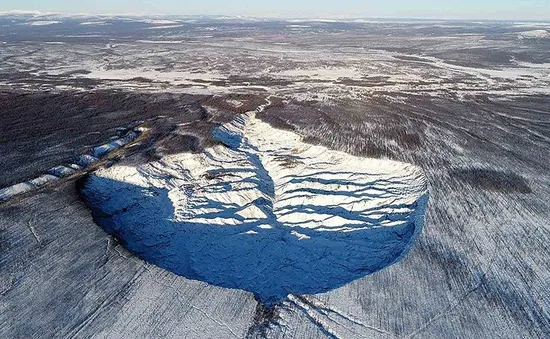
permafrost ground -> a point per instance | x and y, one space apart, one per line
83 162
263 212
465 104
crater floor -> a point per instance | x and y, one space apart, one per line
263 211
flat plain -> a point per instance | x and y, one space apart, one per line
298 113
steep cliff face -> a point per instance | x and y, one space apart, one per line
263 211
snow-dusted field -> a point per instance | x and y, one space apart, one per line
317 60
320 194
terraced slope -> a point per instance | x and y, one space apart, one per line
263 211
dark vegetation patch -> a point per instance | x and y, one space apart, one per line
166 137
141 79
248 102
297 114
288 161
276 122
39 114
373 130
402 136
276 102
43 130
26 79
179 143
265 81
264 318
365 82
411 58
492 180
477 57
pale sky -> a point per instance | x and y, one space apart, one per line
437 9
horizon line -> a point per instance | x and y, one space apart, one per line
335 17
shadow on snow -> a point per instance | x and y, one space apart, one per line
270 262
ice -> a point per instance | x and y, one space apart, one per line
86 160
9 192
103 150
43 180
62 171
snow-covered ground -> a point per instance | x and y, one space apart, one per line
534 34
366 59
44 23
264 212
465 102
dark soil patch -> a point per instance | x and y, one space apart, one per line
492 180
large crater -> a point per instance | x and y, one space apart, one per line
263 212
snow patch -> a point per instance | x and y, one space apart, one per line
62 171
160 41
165 27
94 23
9 192
103 150
25 187
43 23
534 34
161 22
86 160
321 73
175 78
